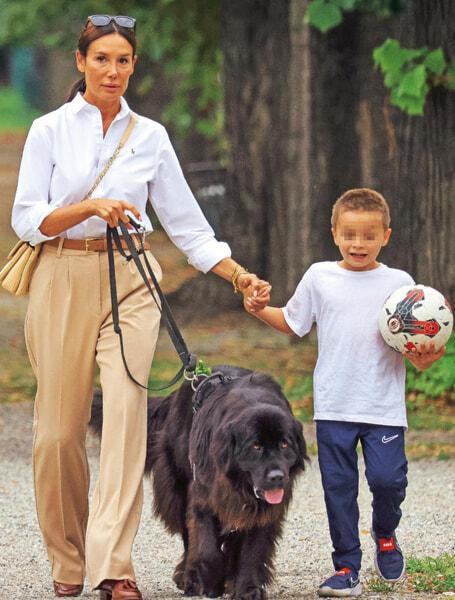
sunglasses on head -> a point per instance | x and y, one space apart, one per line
120 20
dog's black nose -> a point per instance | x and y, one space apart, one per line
275 476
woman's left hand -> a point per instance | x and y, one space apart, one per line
258 290
425 356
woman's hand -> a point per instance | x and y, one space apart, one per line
112 211
425 356
256 292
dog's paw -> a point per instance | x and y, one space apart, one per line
191 588
179 573
179 578
250 594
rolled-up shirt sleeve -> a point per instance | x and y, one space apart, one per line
31 204
180 214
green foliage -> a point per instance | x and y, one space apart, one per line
327 14
182 36
323 15
379 585
299 392
202 369
436 381
435 575
15 113
408 73
426 574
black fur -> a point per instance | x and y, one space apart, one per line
213 474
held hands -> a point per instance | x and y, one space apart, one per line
112 211
256 292
425 356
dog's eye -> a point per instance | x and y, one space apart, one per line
257 446
283 444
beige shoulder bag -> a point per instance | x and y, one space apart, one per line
16 274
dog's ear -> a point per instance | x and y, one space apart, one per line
199 447
299 443
224 447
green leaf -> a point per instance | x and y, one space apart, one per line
323 15
346 5
435 62
391 56
413 82
411 104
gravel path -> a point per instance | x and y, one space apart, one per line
304 556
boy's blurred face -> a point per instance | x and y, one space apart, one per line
360 235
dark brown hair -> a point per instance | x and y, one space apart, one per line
89 34
361 199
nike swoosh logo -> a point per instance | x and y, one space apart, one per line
386 440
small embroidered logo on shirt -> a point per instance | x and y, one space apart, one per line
386 440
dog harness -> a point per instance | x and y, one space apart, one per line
207 387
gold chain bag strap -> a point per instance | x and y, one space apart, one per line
22 259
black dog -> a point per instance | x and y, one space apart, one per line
223 478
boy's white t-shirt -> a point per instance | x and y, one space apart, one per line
358 377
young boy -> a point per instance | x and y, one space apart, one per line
359 385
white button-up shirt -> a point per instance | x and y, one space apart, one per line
65 151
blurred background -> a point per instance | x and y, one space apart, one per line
275 108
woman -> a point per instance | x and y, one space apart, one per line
69 322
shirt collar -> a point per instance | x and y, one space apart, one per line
79 103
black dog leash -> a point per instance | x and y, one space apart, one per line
188 359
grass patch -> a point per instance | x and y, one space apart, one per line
299 392
376 584
16 114
17 381
436 575
423 575
438 450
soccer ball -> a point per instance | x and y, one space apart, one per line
414 315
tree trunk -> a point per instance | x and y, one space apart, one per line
409 158
308 117
424 177
256 44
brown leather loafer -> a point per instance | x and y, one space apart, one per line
66 590
125 589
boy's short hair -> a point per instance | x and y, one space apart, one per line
361 199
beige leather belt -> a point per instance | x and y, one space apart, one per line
91 245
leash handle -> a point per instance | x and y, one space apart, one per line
188 359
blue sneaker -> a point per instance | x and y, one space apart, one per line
343 583
389 561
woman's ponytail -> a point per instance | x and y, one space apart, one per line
78 86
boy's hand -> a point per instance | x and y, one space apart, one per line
256 297
425 356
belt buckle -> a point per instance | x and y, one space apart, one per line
87 243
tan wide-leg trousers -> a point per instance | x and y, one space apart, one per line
68 327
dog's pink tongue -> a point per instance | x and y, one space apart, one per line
274 496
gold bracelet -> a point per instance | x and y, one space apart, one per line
239 270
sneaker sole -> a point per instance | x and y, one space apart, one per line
399 578
328 592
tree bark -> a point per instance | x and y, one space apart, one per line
424 176
308 117
410 158
256 45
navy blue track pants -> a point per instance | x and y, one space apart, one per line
386 468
